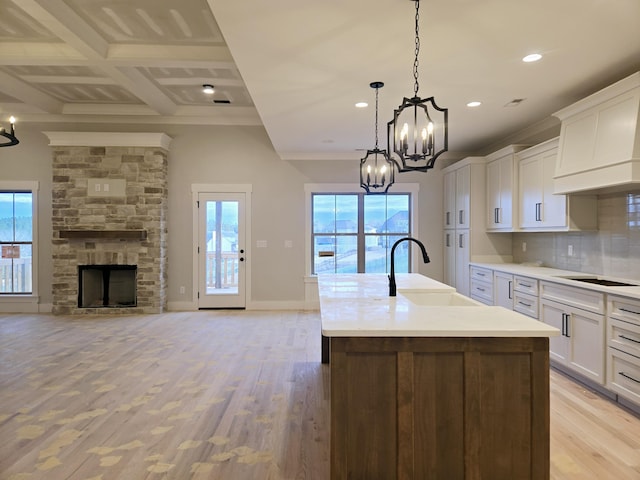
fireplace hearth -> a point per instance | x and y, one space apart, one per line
107 286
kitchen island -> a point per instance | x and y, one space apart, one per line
430 384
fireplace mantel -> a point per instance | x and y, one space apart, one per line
110 234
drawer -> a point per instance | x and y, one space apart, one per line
623 376
482 291
525 285
623 336
525 304
623 308
582 298
482 300
481 274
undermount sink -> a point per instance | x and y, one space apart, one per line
602 281
440 299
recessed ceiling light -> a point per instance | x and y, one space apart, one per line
362 105
474 104
208 89
534 57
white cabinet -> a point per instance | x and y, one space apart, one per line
579 315
464 223
623 353
600 140
503 289
449 257
481 285
449 199
525 296
462 260
541 209
502 189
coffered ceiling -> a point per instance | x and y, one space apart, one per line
298 67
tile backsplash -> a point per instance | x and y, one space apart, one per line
613 250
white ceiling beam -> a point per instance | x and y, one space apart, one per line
66 24
68 80
29 95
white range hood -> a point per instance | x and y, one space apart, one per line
600 141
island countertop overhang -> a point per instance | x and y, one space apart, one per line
358 305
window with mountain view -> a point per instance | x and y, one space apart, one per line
354 232
16 242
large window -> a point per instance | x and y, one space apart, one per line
16 242
354 232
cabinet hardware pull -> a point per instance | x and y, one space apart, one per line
461 217
567 327
460 241
510 290
562 330
481 289
480 274
496 219
630 339
629 311
538 212
527 305
629 377
525 285
448 218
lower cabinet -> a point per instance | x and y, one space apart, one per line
623 354
439 408
580 347
481 285
503 289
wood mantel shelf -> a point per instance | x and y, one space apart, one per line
108 234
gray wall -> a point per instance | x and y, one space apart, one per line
225 155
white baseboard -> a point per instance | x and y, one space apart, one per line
182 306
255 305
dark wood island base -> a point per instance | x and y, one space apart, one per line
439 408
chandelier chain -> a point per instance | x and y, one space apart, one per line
377 90
417 51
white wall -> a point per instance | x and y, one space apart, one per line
217 154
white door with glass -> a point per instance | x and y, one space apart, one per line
221 250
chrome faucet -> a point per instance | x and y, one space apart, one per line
392 275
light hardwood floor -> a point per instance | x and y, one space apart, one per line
216 395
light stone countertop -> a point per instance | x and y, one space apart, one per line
556 275
359 305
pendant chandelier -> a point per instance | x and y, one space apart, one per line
418 133
11 138
377 172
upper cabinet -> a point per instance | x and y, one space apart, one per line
600 140
502 189
541 209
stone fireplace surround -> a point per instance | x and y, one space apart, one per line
125 229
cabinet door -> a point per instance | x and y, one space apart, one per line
463 191
462 261
531 179
505 215
554 207
450 257
493 194
553 314
586 336
449 199
503 289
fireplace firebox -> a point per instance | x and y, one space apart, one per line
107 286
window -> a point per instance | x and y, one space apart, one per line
16 241
354 232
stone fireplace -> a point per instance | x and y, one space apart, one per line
109 210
